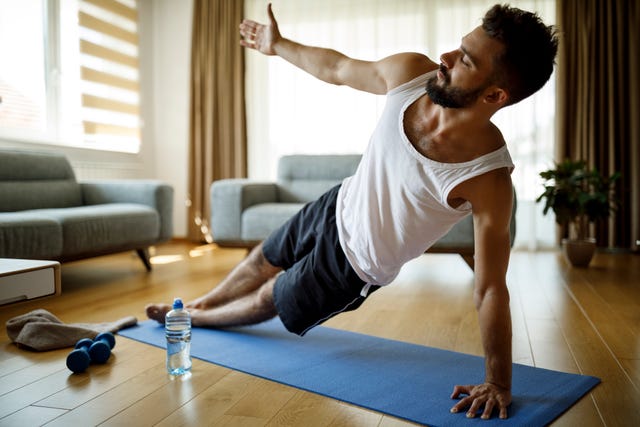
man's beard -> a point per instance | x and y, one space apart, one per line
451 97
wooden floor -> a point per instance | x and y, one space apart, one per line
581 321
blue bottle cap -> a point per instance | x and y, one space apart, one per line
177 303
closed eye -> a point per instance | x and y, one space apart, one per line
466 59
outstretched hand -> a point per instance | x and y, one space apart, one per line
487 396
258 36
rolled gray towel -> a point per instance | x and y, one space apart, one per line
40 330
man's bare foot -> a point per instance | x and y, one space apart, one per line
157 312
204 302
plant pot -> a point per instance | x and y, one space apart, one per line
579 252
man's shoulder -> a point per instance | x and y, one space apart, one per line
493 188
404 67
498 179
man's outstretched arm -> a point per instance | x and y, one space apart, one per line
331 66
492 204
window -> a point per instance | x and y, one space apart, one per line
290 112
109 73
73 78
23 106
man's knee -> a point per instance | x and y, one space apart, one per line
264 297
259 261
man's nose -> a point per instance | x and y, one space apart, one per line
448 59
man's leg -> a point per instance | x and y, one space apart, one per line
246 278
248 309
249 275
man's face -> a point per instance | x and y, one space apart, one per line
447 96
465 73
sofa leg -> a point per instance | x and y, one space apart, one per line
469 260
144 256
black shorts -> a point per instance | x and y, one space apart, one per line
318 282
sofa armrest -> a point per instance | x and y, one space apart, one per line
155 194
230 198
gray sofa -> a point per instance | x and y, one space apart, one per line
46 214
244 212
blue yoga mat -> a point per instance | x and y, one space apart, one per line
404 380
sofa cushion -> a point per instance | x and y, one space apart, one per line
460 236
153 193
29 235
30 180
22 195
304 178
97 228
259 221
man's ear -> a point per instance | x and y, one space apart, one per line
496 95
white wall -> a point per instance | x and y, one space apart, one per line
172 23
165 46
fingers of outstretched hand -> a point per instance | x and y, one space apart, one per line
247 26
248 29
248 34
272 18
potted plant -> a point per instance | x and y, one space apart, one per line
578 197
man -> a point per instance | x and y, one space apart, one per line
434 158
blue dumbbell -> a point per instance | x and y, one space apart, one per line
87 351
100 350
78 360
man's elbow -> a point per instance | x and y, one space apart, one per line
498 294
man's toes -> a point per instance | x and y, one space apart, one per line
151 309
156 312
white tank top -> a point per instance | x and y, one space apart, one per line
395 205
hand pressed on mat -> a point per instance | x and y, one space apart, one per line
487 395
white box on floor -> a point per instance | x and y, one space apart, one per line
26 279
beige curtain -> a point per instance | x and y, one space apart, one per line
598 106
218 147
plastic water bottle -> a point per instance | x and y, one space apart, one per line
177 326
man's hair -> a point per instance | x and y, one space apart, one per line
530 48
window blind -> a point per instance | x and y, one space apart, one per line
109 72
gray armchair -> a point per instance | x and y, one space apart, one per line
245 212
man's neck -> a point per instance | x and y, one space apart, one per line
450 135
